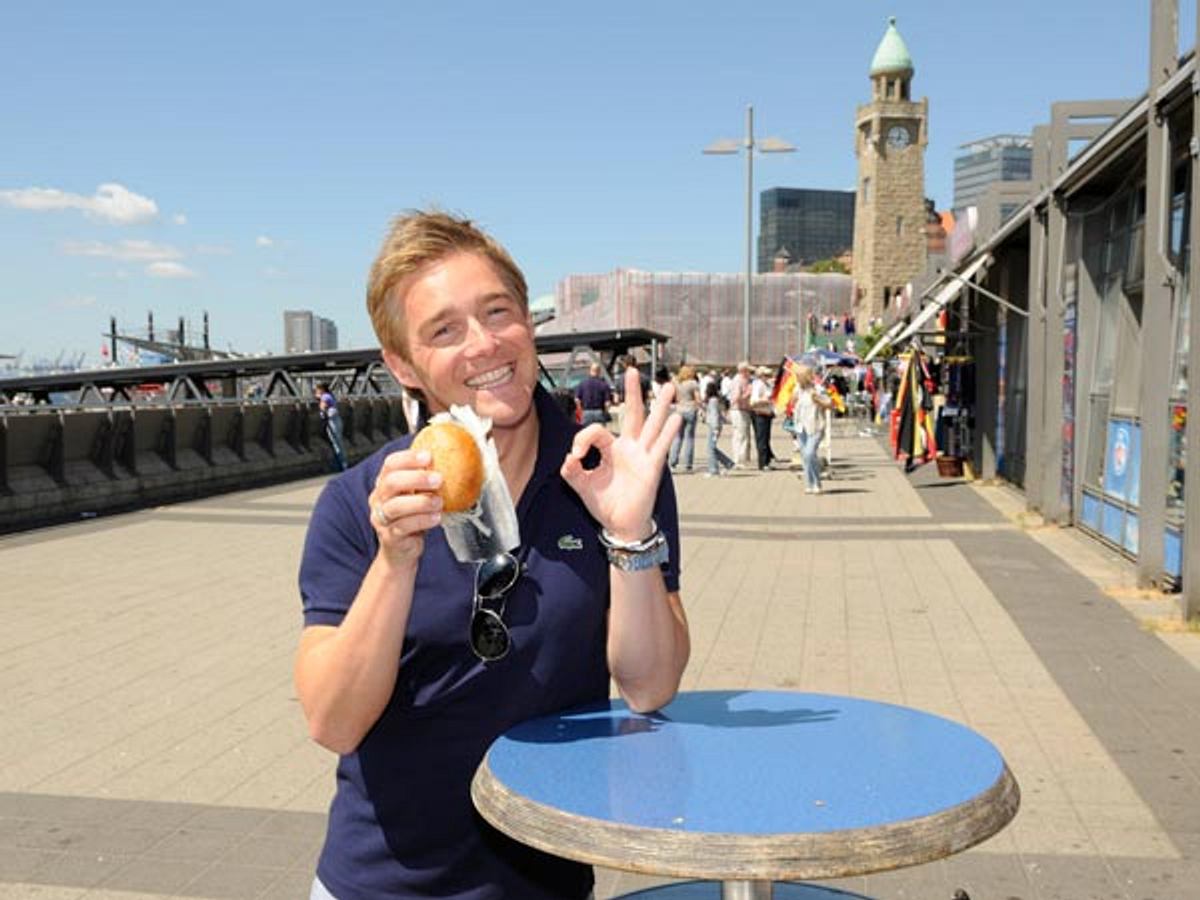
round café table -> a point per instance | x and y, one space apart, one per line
746 788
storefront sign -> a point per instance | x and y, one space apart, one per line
1122 461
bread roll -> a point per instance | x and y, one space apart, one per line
456 456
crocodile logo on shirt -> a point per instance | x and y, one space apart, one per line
570 542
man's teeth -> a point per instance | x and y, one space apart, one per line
489 379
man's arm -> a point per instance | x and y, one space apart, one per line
648 643
648 639
345 674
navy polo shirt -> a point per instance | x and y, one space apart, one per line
402 823
593 392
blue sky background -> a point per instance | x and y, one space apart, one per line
264 146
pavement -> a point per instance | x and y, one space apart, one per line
151 744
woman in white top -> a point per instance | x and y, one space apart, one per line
809 422
687 404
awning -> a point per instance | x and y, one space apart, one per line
885 341
957 282
889 336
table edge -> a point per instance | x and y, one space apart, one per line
719 856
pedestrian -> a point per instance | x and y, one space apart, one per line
331 419
662 377
594 396
687 404
739 414
762 412
713 417
808 420
386 671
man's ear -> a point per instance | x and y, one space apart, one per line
402 371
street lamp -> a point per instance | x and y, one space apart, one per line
728 146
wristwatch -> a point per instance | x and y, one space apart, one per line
637 556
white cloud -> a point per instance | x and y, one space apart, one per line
263 241
272 272
179 219
112 202
134 251
169 270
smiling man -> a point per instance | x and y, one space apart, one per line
389 671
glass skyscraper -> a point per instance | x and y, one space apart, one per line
809 224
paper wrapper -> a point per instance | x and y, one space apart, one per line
490 527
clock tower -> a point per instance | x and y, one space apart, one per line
890 134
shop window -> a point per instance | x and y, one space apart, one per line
1135 265
1093 464
1180 205
1176 457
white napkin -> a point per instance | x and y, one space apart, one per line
489 527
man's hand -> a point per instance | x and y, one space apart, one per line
621 490
404 505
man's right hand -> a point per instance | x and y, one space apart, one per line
404 505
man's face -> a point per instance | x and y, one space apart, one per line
469 340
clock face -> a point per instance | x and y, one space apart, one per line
897 136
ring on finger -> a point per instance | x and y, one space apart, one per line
380 516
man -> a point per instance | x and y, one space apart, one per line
762 411
327 405
739 414
387 673
594 396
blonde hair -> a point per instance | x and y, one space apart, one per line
686 373
804 377
415 240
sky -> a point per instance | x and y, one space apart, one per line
245 158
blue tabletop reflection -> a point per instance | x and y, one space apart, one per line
748 762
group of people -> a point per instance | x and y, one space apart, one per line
744 397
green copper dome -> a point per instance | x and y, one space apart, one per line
892 54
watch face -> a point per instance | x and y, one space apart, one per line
897 136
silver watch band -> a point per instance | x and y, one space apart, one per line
638 556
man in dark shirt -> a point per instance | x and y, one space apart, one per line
388 672
594 395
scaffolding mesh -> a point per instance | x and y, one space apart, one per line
703 312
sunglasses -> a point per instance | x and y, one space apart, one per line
494 579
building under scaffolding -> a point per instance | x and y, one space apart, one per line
703 311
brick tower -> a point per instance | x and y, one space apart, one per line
890 134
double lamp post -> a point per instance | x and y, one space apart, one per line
728 147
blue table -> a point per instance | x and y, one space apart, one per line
747 787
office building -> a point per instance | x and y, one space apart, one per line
1002 157
304 331
810 225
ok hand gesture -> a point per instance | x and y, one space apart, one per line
620 491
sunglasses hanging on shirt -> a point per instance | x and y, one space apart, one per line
494 580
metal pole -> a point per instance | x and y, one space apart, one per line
749 289
747 890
